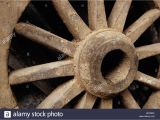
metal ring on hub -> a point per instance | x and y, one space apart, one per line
89 60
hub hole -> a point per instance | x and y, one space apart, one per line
115 66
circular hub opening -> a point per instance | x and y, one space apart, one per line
115 66
106 63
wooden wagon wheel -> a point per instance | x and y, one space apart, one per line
87 52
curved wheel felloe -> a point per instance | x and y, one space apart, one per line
10 13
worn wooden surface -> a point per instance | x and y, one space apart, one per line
10 12
119 14
96 14
96 41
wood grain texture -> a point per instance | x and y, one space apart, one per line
128 100
46 38
106 103
96 14
148 51
140 25
119 14
61 95
71 19
41 72
10 12
148 80
153 101
86 102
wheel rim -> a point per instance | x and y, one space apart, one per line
7 22
78 52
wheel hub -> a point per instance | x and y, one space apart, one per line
91 63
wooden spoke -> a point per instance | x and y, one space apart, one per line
106 104
153 101
157 2
96 14
119 14
17 107
17 63
39 72
148 51
139 26
62 95
129 101
46 38
146 79
86 102
72 20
